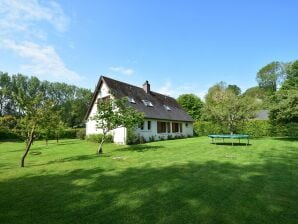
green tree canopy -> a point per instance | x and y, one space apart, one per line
236 89
270 76
71 101
226 108
284 107
192 104
114 113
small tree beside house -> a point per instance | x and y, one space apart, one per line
112 114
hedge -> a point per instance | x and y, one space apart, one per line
97 138
255 128
6 134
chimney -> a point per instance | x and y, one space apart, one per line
146 87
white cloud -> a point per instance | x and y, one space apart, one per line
42 60
19 15
22 32
123 70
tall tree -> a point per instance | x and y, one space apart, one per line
114 113
35 108
270 76
284 106
236 89
192 104
227 109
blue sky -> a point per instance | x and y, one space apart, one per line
179 46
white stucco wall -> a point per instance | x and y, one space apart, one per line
186 130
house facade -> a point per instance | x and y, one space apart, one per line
163 116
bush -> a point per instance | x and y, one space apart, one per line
203 128
254 128
151 138
98 137
131 137
81 134
6 134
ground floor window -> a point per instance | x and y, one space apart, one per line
149 125
168 127
175 127
161 127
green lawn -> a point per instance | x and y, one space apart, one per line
179 181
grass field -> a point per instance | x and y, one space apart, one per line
179 181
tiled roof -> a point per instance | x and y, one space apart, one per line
157 111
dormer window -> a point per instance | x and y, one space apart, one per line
147 103
167 107
131 100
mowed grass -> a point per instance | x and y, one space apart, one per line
179 181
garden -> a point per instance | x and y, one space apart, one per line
178 181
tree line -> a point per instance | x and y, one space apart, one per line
226 105
70 101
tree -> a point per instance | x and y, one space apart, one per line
284 106
51 126
70 101
235 89
36 109
227 109
114 113
192 104
270 76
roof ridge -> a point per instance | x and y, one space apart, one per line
136 86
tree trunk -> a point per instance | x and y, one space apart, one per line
57 138
28 145
99 150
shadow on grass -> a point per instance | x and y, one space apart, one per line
212 192
291 139
141 148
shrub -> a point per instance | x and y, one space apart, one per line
151 138
132 138
256 128
203 128
161 138
81 134
6 134
98 137
170 137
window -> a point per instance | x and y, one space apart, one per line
149 125
141 126
167 107
175 127
168 127
147 103
181 127
186 124
131 100
161 127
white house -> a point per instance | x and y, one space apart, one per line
163 115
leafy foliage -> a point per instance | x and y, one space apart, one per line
192 104
270 76
97 138
114 113
71 101
227 109
284 107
